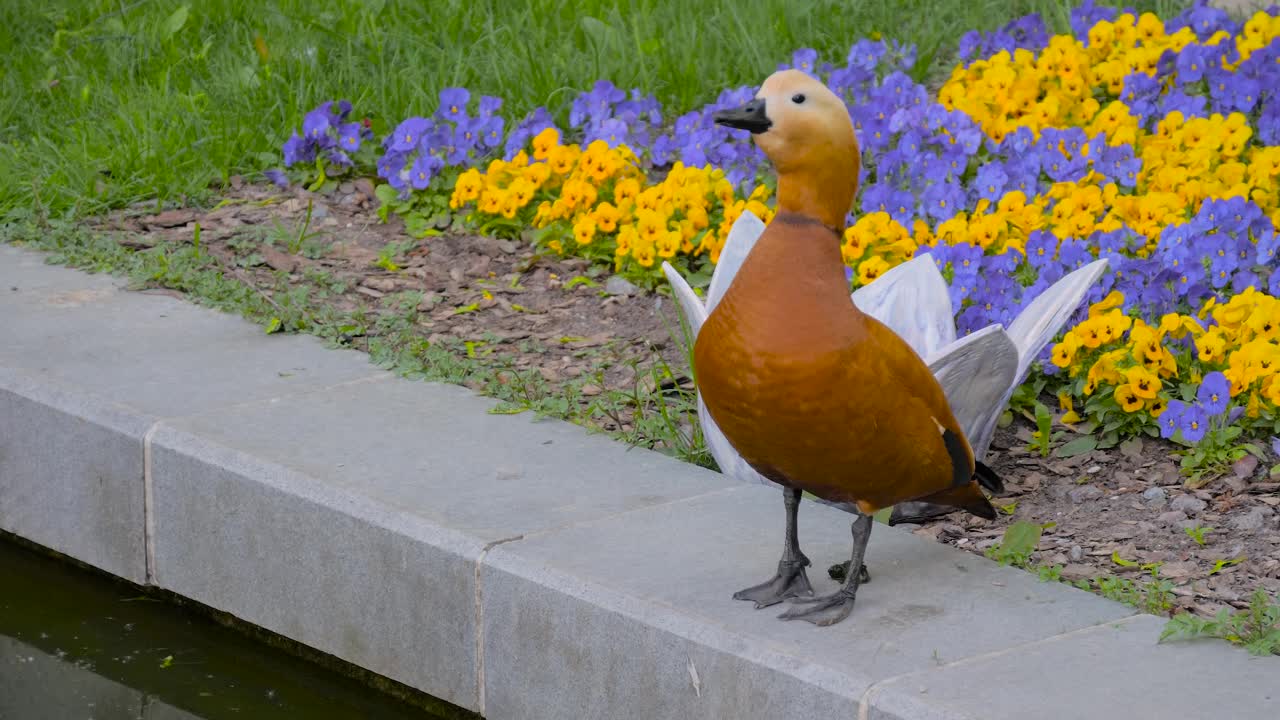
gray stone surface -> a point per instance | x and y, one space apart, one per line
87 368
35 685
433 450
154 353
519 567
366 582
71 475
1115 670
563 647
926 603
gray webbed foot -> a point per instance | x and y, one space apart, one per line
831 609
789 582
824 610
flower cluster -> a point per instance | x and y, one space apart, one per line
1153 143
327 139
597 202
420 147
1150 372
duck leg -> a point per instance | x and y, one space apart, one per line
790 580
831 609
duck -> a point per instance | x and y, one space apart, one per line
913 299
801 387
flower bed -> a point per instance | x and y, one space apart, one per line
1153 143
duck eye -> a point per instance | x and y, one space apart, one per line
798 98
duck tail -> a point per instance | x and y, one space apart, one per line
966 497
988 478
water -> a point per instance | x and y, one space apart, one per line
77 646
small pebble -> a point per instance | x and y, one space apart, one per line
1251 521
1173 517
1076 554
1188 504
1155 497
1084 493
618 285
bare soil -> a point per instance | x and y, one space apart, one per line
1130 503
508 301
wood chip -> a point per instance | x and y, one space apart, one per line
278 260
169 219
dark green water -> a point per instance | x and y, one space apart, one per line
77 646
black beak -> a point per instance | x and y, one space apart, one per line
747 117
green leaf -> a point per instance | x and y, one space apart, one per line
1115 558
1044 419
1020 538
274 325
599 32
175 22
387 197
1182 626
1219 564
1079 446
580 280
416 225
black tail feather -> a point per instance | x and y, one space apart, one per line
988 478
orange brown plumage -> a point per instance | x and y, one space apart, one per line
813 393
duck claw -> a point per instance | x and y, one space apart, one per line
840 571
789 582
824 610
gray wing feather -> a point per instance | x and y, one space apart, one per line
1041 320
730 462
746 230
975 371
912 299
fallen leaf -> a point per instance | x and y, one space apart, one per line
278 260
1177 570
169 218
1131 448
1244 467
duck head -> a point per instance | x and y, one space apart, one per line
805 131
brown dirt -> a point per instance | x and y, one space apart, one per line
1097 503
539 319
508 302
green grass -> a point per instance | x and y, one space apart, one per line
106 102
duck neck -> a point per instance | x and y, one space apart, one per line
820 193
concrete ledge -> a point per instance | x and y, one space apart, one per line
330 569
518 568
71 473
